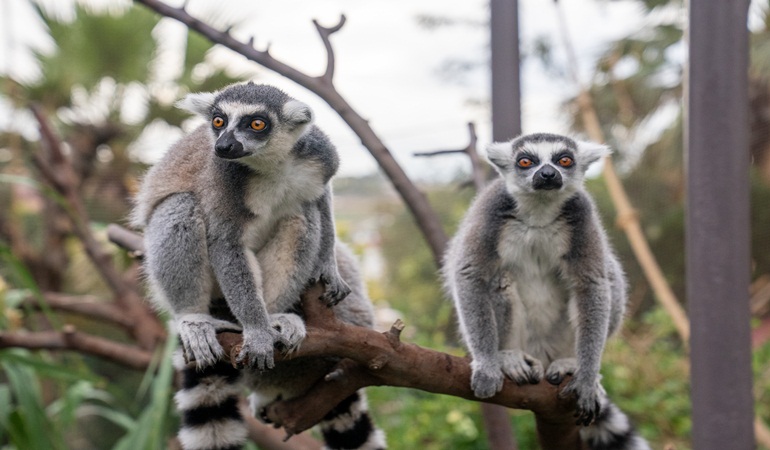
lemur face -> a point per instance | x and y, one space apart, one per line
544 162
251 122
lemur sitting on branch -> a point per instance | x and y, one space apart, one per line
238 220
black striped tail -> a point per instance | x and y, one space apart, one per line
612 430
348 426
208 405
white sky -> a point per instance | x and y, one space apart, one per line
387 66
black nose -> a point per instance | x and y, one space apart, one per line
547 173
228 147
547 178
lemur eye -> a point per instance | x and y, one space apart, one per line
218 122
566 161
525 163
258 124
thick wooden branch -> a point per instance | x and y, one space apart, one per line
381 359
57 170
71 339
425 216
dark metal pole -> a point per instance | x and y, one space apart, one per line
506 124
506 97
717 227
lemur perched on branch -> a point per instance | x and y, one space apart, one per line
238 220
535 282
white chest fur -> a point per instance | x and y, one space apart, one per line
280 194
531 259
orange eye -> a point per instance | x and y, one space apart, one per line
525 163
566 161
218 122
258 124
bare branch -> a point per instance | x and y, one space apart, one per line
477 169
88 306
325 33
126 239
426 218
71 339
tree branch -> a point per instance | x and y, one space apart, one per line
478 172
71 339
381 359
426 218
87 306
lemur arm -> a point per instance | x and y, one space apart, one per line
336 288
586 268
239 277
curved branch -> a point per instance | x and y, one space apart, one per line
381 359
426 218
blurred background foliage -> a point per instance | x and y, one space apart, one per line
107 58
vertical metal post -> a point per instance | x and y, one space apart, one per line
717 225
506 93
506 124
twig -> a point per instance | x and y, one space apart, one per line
477 169
324 32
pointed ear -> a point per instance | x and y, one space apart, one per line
297 113
500 154
590 152
199 103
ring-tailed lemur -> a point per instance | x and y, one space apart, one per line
536 285
238 219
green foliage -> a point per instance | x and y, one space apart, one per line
150 431
103 45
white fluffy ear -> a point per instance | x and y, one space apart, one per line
500 154
297 113
199 103
590 152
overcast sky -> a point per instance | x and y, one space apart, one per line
388 65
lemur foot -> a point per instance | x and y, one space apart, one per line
258 407
588 392
198 333
336 289
559 369
521 367
257 350
290 331
486 378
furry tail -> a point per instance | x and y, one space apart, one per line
612 430
208 404
349 426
